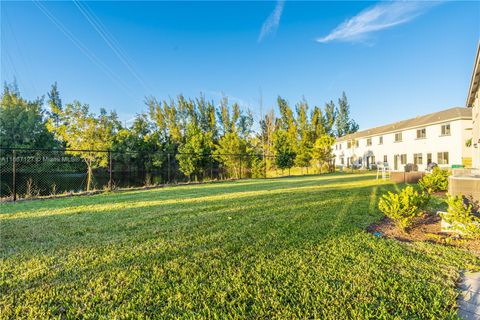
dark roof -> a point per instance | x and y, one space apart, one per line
441 116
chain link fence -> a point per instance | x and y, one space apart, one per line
34 173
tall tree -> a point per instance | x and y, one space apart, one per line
245 123
195 153
167 118
82 130
317 122
284 150
344 124
329 118
267 128
229 151
235 128
304 145
206 117
22 122
139 146
287 121
322 150
55 104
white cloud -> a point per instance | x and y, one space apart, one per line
381 16
271 24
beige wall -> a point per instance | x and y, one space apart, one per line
476 131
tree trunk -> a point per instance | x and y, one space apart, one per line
89 176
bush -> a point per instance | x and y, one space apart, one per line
464 215
435 181
404 206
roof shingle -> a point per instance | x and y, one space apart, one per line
440 116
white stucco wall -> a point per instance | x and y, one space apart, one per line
476 131
454 144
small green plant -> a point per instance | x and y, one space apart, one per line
464 215
435 181
404 206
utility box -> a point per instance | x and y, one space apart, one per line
465 182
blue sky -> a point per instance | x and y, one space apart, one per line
393 59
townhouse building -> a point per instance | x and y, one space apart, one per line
439 137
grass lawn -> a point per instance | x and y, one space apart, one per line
287 248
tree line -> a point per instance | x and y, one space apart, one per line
197 131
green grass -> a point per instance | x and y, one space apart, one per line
285 248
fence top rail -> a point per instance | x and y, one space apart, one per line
46 149
135 152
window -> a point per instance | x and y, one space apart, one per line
429 158
421 133
445 129
398 137
385 159
339 146
349 144
342 161
442 157
417 158
380 140
356 143
403 159
369 141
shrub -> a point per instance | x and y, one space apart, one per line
404 206
464 215
435 181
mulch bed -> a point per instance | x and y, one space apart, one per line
425 228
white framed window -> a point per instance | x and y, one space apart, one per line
421 133
418 158
442 157
369 142
403 159
380 140
445 129
398 137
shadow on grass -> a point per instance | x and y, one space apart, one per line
310 213
247 247
184 191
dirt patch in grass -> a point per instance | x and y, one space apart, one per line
425 228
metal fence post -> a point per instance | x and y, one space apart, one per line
110 170
240 176
14 178
211 168
168 167
264 166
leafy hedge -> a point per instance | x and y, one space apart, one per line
404 206
435 181
464 215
